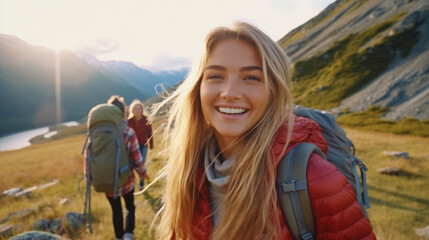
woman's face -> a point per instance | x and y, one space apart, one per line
233 92
137 110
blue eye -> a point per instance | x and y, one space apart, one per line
252 78
214 76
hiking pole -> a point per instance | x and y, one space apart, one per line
88 195
89 208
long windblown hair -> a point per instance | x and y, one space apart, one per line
250 200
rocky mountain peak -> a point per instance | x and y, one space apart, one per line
386 39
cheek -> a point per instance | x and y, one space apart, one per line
208 94
203 99
205 96
261 101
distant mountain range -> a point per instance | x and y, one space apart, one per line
358 53
32 98
143 80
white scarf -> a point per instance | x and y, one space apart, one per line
218 172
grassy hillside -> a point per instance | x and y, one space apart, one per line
325 79
400 203
372 120
61 159
329 12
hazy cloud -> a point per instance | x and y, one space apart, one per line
167 62
148 33
99 47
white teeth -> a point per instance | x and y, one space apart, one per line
231 110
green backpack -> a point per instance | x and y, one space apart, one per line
107 158
292 173
108 166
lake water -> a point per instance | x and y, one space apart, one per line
22 139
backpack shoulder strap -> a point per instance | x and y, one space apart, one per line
293 192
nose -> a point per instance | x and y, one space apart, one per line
231 88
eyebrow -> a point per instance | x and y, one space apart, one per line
251 68
243 69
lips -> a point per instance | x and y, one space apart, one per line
232 111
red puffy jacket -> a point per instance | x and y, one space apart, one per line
337 213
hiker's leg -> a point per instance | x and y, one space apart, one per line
118 221
130 219
143 151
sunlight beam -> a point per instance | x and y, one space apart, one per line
58 85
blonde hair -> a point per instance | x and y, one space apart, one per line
250 200
134 103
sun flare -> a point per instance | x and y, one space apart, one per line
148 33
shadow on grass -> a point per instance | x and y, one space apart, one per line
405 174
397 206
408 198
154 202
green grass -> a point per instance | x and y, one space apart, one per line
324 80
61 159
400 203
62 131
372 120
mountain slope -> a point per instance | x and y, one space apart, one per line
39 86
143 80
29 89
360 53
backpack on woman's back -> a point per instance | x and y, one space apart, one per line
292 179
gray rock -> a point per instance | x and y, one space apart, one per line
56 226
403 86
16 215
64 201
424 232
19 192
75 220
396 154
37 235
26 192
389 170
48 184
42 224
321 88
6 230
12 191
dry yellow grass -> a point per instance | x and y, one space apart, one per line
62 160
40 163
400 204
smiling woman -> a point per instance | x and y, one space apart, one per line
233 91
233 122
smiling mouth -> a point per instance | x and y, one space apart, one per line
232 111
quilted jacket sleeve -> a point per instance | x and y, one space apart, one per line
337 213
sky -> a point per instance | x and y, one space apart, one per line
155 34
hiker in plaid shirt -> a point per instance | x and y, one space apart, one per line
133 150
126 191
